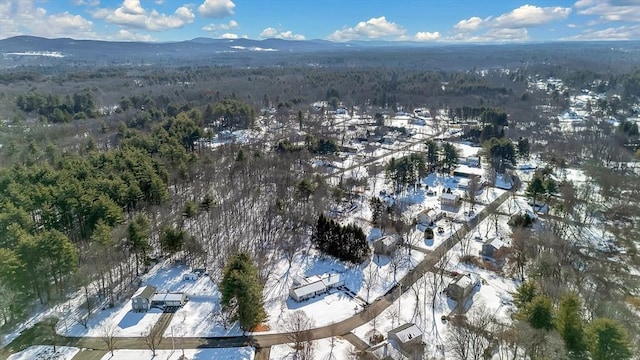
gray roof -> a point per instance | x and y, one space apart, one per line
145 292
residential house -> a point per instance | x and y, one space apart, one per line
141 299
385 245
429 216
461 286
491 247
447 199
309 287
408 338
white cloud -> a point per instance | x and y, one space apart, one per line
529 16
470 24
610 10
185 14
213 28
374 28
229 36
612 33
510 26
23 17
132 14
127 35
427 36
270 33
86 2
216 8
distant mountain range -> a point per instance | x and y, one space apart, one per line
37 51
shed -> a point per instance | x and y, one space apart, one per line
385 245
141 299
447 199
162 300
461 286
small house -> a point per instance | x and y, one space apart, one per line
163 300
491 247
309 287
447 199
408 338
429 216
461 286
385 245
141 299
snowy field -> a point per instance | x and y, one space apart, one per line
243 353
324 349
45 353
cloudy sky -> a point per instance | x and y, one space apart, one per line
337 20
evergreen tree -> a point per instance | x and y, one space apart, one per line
242 292
535 189
608 340
569 324
431 153
539 313
449 155
138 238
525 293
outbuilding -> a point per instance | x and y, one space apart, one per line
163 300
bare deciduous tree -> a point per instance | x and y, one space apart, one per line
152 338
297 327
108 335
469 336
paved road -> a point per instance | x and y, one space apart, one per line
342 328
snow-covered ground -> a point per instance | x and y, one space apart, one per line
165 277
41 352
324 349
367 281
242 353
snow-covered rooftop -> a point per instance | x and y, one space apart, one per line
407 332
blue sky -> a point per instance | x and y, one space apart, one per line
338 20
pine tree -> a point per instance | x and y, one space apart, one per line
539 313
569 323
242 292
608 340
534 189
525 294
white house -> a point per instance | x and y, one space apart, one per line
306 288
447 199
429 216
141 299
